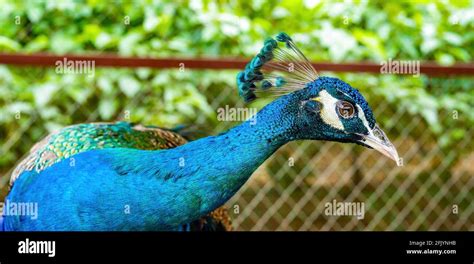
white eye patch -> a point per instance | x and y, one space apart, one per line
328 112
362 117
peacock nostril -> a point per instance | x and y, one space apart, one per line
378 133
377 140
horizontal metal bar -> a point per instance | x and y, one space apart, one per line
49 60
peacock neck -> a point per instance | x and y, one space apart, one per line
162 189
214 168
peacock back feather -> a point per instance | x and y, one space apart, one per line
79 138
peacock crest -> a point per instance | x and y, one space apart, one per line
279 68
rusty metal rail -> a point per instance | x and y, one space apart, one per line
49 60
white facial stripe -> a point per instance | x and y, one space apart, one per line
328 113
361 115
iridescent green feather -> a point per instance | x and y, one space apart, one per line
83 137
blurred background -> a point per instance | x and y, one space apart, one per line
429 119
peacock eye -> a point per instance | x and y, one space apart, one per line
345 109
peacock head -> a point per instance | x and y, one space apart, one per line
321 108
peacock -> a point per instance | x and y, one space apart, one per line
173 183
75 139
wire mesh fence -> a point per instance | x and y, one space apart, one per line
421 195
433 190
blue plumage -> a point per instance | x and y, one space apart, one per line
161 194
131 189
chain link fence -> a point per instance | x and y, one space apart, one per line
433 190
429 192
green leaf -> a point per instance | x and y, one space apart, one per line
7 44
107 108
372 42
129 86
44 92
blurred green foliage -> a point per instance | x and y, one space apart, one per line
326 30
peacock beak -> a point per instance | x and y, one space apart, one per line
377 140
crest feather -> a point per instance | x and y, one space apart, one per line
279 68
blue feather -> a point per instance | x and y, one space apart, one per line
161 194
132 189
